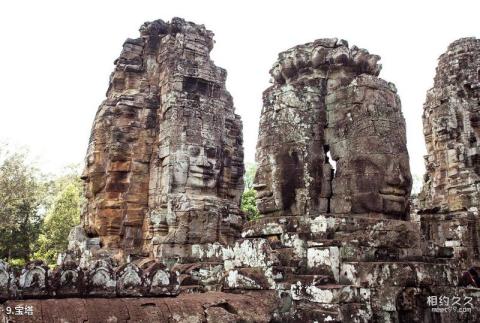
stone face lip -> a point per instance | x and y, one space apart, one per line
164 166
327 108
451 124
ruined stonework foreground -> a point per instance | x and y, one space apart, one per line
339 239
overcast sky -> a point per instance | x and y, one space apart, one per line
57 56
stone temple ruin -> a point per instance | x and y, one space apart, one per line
340 239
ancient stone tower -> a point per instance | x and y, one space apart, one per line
327 105
451 124
164 166
450 200
162 237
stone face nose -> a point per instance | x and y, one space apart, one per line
202 160
394 175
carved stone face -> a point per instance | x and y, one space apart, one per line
376 182
369 145
197 168
203 167
290 150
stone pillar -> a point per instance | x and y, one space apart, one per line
450 200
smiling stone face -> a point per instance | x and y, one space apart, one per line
367 139
327 106
204 167
166 145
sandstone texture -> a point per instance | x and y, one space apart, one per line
451 124
450 200
164 167
327 106
210 307
162 237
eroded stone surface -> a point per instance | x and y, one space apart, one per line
326 106
448 205
164 165
207 307
451 124
335 243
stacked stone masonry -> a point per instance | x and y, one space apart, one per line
162 237
450 200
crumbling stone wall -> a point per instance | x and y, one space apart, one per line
164 168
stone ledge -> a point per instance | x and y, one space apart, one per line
201 307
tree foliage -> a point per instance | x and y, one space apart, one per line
63 214
248 204
36 211
21 193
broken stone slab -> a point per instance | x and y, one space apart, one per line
324 260
337 313
207 275
255 252
343 228
268 226
352 252
410 303
247 279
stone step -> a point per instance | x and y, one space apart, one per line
355 250
409 274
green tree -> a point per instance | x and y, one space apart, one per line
248 204
21 192
63 213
